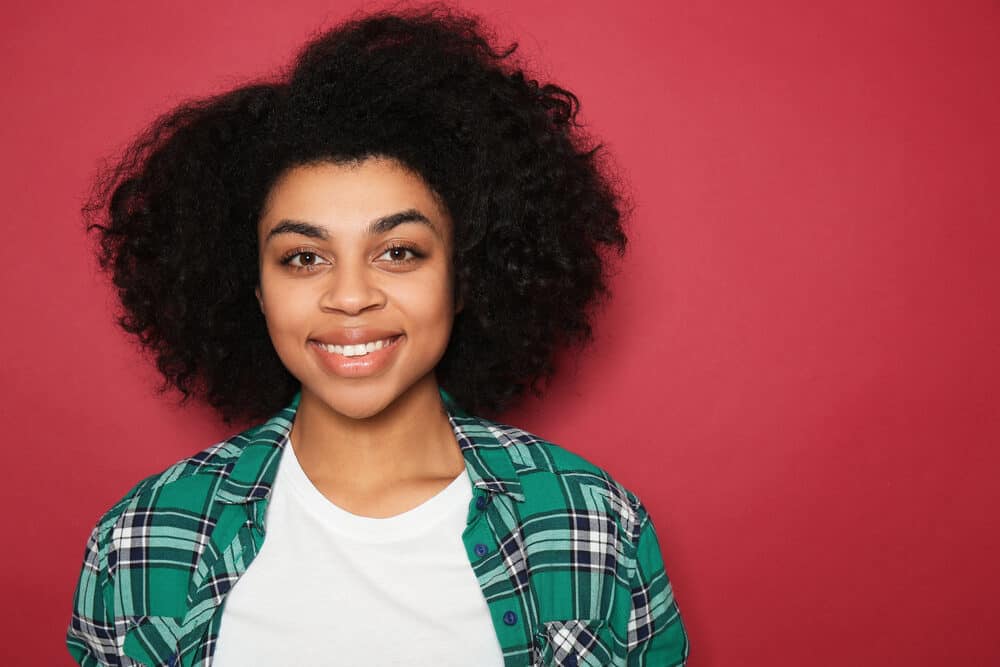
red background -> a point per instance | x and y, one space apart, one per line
798 374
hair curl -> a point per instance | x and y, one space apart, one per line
533 205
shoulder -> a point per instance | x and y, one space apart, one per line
189 482
554 478
142 551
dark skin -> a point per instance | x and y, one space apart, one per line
377 443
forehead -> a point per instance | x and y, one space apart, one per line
351 195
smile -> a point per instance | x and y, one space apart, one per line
359 350
361 360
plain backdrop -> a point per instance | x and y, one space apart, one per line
798 371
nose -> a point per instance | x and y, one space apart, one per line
351 290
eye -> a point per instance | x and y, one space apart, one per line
301 260
397 254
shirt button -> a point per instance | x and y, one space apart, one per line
481 549
510 618
480 502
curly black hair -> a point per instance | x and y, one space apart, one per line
535 204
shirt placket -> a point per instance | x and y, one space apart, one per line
495 549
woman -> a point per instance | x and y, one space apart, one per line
360 258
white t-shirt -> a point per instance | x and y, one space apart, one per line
333 588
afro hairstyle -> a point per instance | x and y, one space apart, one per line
534 202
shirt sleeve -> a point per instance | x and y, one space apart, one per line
91 637
656 635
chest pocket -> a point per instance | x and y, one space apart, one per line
152 640
571 643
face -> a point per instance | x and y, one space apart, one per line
356 283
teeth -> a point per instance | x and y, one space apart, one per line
359 350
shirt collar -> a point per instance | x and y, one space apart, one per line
249 476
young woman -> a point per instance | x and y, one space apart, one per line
361 258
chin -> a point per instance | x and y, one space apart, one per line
361 411
356 403
356 408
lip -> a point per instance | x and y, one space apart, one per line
355 335
353 367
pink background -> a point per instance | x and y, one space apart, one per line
798 374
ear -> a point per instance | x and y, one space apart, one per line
459 304
260 302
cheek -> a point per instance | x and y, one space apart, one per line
425 312
284 309
428 301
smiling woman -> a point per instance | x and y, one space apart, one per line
411 227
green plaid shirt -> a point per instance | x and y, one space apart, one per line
566 557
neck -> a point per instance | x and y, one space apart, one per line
410 439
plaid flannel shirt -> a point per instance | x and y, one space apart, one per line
567 558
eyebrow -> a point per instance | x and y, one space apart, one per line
375 227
